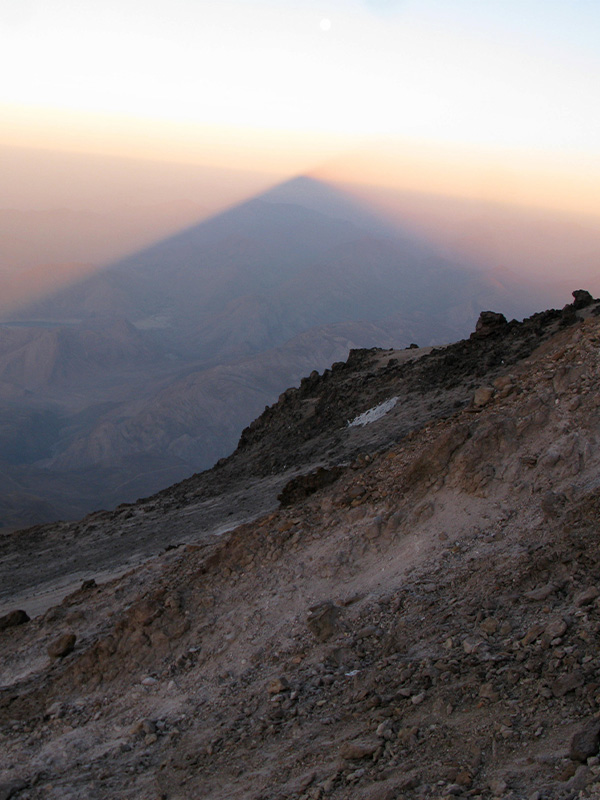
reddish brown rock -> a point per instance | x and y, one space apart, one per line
585 742
13 618
62 646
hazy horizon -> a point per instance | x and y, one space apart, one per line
435 117
137 204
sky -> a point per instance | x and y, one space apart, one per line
466 98
326 73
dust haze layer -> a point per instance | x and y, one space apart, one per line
147 371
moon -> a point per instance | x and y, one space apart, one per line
325 25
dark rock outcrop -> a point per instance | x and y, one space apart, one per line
304 485
585 742
62 646
582 299
13 618
489 322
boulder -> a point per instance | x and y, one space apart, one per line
13 618
489 322
585 742
358 749
483 395
582 299
301 487
62 646
322 620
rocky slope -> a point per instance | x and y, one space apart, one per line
418 618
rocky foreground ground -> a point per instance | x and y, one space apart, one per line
417 619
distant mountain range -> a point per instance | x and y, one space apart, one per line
138 375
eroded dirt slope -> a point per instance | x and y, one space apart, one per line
424 626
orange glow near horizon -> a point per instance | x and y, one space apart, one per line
475 100
65 215
526 212
539 223
276 152
513 177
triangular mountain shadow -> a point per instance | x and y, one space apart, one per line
148 371
303 217
302 236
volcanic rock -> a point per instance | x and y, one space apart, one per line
585 742
62 646
489 322
13 618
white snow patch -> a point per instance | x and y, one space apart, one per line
373 414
